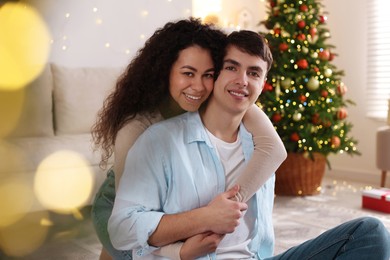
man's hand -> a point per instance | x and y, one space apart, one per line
200 245
224 213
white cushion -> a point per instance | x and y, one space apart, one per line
36 118
21 157
26 154
78 96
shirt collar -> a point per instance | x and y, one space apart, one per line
196 131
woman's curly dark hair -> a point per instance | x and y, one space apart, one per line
145 82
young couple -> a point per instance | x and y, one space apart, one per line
173 184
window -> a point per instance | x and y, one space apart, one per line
378 62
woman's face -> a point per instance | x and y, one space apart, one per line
192 77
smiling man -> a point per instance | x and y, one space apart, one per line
173 186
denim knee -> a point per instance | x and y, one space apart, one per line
379 235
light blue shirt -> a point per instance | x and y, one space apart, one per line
171 168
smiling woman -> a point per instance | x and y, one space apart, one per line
190 86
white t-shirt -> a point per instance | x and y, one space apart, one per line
234 245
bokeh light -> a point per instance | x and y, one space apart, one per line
25 236
63 189
11 104
17 199
24 45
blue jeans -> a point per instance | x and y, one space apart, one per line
101 212
363 238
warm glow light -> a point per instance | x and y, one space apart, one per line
203 8
11 104
17 200
24 45
63 189
25 236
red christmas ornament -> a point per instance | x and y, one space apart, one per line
324 55
327 123
283 46
272 3
276 118
342 113
315 119
323 18
277 30
302 98
294 137
316 69
313 31
303 8
341 89
301 24
331 56
335 141
302 64
324 93
267 87
301 37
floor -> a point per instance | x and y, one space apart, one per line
52 236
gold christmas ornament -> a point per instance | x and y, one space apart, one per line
328 73
313 84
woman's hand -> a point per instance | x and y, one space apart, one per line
200 245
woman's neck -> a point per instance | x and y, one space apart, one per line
170 108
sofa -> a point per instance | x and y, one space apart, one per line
46 151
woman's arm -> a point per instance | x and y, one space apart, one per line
268 155
194 247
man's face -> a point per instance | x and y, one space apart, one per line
240 81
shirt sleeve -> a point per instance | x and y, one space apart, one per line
138 204
268 155
125 139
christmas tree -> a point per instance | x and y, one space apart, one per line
304 93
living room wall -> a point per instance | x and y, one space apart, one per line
104 33
348 26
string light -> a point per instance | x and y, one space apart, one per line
94 10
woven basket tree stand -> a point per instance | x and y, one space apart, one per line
299 175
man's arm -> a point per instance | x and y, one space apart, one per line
220 216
